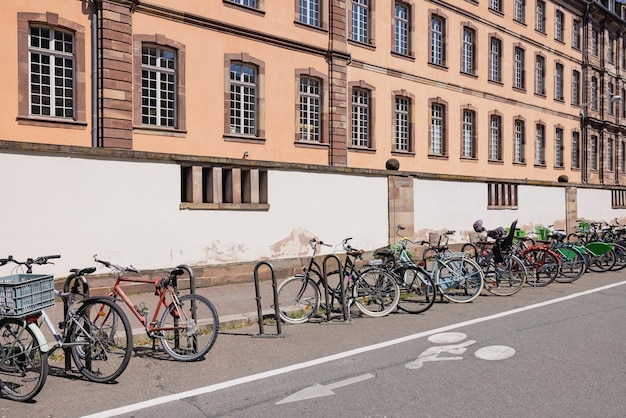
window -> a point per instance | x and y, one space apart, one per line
495 59
594 42
622 102
540 145
401 29
519 141
558 148
594 93
501 195
437 40
519 73
593 152
402 124
618 199
51 72
495 5
468 51
519 13
158 86
540 16
609 154
558 82
468 134
611 50
248 3
437 129
309 12
243 98
495 138
222 188
622 157
540 83
576 87
559 26
310 109
575 149
611 88
360 117
576 31
360 21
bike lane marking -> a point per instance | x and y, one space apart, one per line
276 372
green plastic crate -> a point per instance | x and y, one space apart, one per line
542 232
23 294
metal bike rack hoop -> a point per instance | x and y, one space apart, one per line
341 286
258 301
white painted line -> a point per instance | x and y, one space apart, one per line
271 373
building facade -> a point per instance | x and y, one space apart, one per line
499 94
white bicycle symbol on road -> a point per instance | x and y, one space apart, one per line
450 339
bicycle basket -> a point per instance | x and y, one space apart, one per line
542 232
23 294
584 227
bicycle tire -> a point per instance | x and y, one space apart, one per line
375 292
459 279
298 299
196 338
417 290
542 266
105 340
602 262
506 279
24 366
620 256
573 264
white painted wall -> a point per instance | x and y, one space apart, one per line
595 205
128 213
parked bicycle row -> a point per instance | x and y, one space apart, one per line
95 332
501 261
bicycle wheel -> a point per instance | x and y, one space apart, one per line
375 292
298 299
507 278
600 263
417 290
459 279
620 256
573 264
102 338
23 367
190 333
542 267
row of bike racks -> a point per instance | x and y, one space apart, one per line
327 296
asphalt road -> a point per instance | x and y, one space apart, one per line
555 352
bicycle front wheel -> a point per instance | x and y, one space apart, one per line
298 299
375 292
189 333
542 266
573 264
102 340
507 278
23 367
417 290
459 279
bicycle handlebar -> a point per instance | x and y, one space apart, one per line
44 259
116 267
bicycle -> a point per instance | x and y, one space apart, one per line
99 354
374 291
417 289
601 255
189 324
457 277
505 273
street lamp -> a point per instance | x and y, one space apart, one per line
583 132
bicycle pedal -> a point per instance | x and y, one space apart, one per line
61 325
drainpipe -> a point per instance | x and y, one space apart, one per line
94 73
583 110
